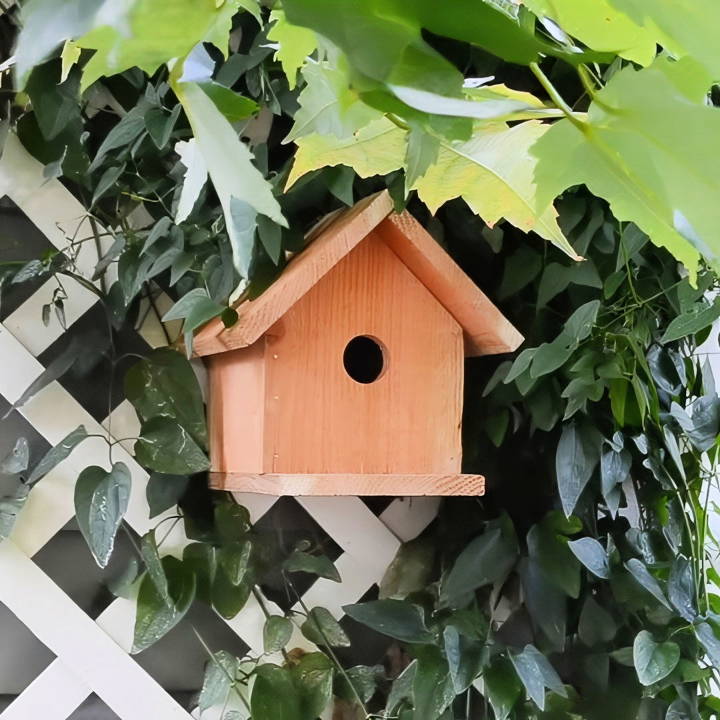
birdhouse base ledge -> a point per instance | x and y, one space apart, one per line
348 484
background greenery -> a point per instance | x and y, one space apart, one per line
580 585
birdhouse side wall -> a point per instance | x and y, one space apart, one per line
236 409
318 419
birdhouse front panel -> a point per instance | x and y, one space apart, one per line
364 374
346 375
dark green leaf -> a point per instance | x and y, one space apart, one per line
614 470
151 558
313 677
101 499
121 586
57 454
546 604
274 695
653 661
107 181
596 625
16 461
696 318
409 571
520 365
638 570
536 674
399 620
234 559
502 687
270 235
319 565
322 628
200 559
464 658
576 458
10 507
485 560
710 641
229 599
550 551
592 555
364 679
160 124
402 688
167 447
681 588
121 135
433 690
155 618
276 633
164 384
164 491
232 521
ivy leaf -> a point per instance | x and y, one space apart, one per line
375 149
164 491
164 384
681 588
493 173
502 687
536 674
631 159
395 618
638 570
653 661
402 688
433 690
167 447
229 164
220 674
575 461
696 318
101 499
315 564
122 134
485 560
592 555
229 599
155 617
464 658
295 44
322 628
275 695
277 632
313 677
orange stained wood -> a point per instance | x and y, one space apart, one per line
486 330
295 484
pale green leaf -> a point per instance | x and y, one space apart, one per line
195 177
493 173
653 661
295 42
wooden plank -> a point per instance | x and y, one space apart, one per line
487 330
349 484
331 245
318 419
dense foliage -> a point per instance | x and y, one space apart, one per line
579 587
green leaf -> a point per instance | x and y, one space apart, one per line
375 149
167 447
101 499
536 674
164 491
409 570
295 42
493 173
502 687
107 181
160 124
232 521
433 690
277 632
575 461
220 674
546 605
229 164
313 677
10 507
710 641
233 106
653 661
322 628
638 570
631 158
16 461
234 559
122 585
395 618
319 565
229 599
164 384
201 559
122 134
363 678
696 318
464 658
151 558
596 625
195 177
600 26
614 470
155 618
274 695
402 688
592 555
681 588
550 551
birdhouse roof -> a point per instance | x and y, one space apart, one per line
486 330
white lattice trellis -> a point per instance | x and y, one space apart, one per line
92 655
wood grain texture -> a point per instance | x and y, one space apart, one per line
348 484
319 420
333 242
236 408
487 330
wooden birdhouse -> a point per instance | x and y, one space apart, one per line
345 377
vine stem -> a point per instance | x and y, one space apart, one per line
555 96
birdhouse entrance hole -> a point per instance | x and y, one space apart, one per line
364 359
